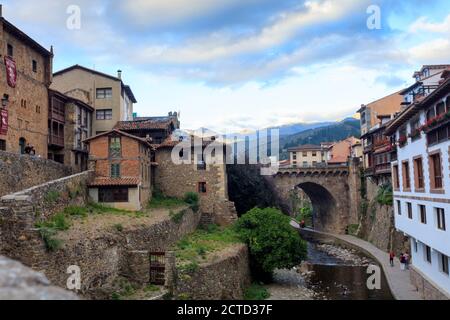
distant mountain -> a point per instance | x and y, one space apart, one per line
331 133
290 129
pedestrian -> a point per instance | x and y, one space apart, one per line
402 261
407 258
302 224
391 258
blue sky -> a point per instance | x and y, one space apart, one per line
236 65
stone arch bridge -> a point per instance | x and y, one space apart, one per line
333 191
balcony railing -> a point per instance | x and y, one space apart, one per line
56 140
383 168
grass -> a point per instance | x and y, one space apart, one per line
62 221
352 229
125 289
194 248
118 227
51 196
161 201
256 292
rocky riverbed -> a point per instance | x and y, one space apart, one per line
329 273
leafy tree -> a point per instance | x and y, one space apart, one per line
272 242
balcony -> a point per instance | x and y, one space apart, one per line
55 140
383 168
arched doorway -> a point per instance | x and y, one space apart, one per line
22 145
324 206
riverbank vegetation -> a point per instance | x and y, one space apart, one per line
272 242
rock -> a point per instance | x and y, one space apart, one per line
18 282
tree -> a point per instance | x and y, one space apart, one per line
272 241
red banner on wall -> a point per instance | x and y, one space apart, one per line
3 121
11 71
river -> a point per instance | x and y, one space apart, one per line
329 273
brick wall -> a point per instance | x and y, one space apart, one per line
18 172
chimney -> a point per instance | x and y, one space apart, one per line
119 74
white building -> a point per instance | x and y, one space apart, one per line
421 181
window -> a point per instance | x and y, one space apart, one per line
202 187
104 114
410 213
104 93
305 154
436 171
447 103
115 147
38 109
34 65
406 178
415 246
423 214
440 219
314 154
444 263
440 109
115 170
2 145
113 195
399 207
396 177
427 254
201 164
418 173
294 156
10 50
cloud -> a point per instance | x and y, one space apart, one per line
423 24
221 45
435 51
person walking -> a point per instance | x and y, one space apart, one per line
407 257
391 258
402 261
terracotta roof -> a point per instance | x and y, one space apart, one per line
105 182
145 123
338 159
306 147
142 140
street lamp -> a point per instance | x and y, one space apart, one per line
5 100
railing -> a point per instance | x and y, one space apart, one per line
383 168
56 140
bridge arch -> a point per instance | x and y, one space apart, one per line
323 203
331 189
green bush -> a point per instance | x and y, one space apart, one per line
273 243
74 211
385 195
118 227
191 198
256 292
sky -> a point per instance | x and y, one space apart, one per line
234 65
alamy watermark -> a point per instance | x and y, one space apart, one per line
74 280
374 19
73 21
374 279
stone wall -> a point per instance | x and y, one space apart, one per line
223 279
19 213
377 223
105 254
426 289
18 282
19 172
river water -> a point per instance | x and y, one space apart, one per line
328 277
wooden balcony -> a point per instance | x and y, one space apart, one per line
57 141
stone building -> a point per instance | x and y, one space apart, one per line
122 164
26 74
70 123
196 165
108 95
421 180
